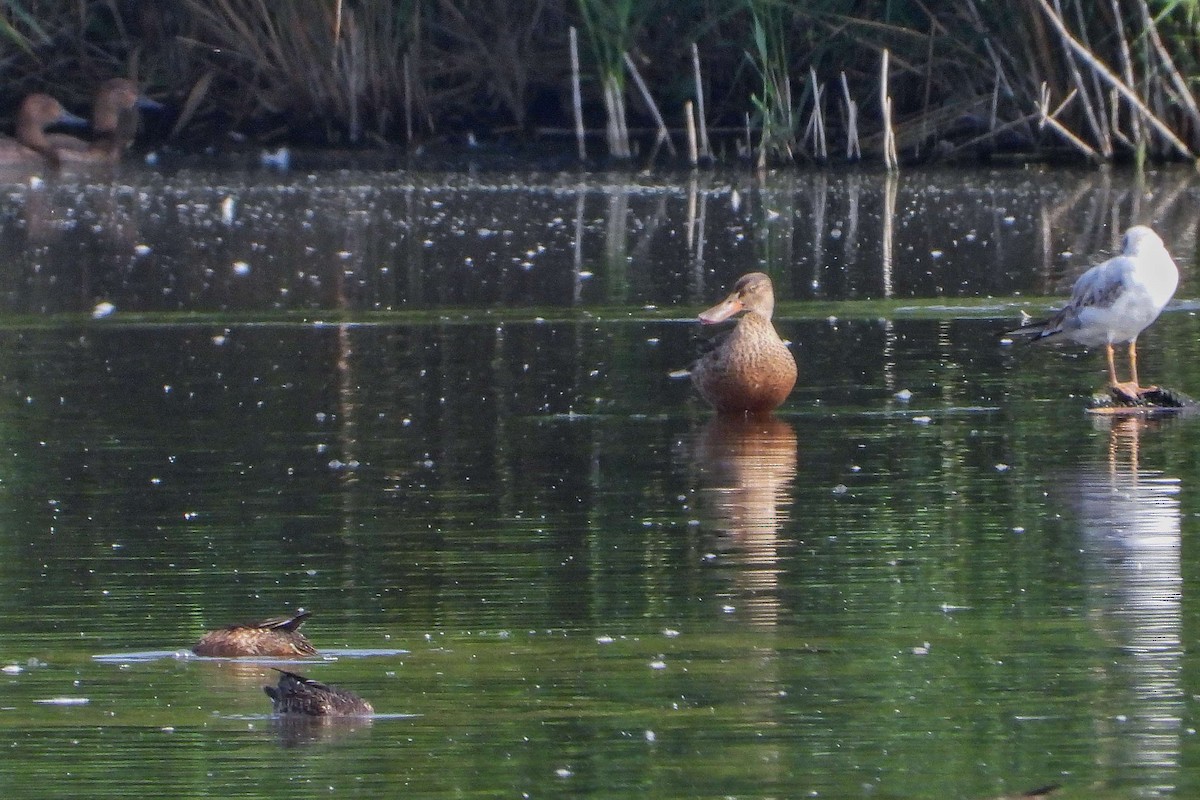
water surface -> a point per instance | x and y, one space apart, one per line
434 410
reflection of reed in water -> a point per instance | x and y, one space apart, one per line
1130 525
747 465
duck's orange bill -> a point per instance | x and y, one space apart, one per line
723 310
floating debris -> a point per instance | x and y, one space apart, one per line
1156 400
63 701
279 159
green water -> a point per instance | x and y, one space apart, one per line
548 567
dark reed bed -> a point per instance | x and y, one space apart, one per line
767 82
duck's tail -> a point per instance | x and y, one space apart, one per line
286 623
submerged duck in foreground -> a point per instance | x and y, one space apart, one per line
296 694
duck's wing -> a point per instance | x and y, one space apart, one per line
706 340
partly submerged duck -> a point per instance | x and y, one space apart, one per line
1115 301
277 637
751 370
297 694
114 124
32 145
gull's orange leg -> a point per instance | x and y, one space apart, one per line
1112 367
1129 390
1141 390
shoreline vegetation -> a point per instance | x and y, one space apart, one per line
637 82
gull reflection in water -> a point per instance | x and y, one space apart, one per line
1130 526
747 466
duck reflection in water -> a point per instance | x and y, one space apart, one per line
747 466
750 369
278 637
32 146
1130 521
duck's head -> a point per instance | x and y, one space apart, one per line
752 292
117 97
39 111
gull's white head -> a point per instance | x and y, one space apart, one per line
1140 239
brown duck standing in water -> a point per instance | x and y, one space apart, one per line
297 694
277 637
751 370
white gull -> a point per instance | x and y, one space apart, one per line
1113 302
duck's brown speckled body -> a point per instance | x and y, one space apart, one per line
299 695
751 370
278 637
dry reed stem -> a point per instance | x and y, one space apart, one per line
577 95
1097 90
1046 117
928 75
1114 99
663 133
890 158
337 30
195 97
690 123
816 120
622 121
1110 78
1182 92
992 133
853 149
1114 110
408 103
1085 98
617 132
705 147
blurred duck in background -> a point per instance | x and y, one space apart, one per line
114 124
32 145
